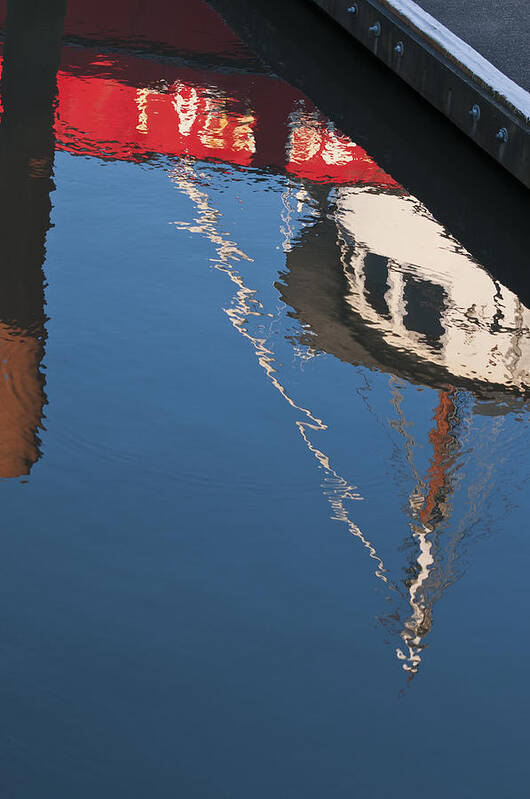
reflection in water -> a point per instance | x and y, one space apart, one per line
446 314
373 279
429 508
432 569
336 489
381 284
28 88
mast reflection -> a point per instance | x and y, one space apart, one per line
28 90
377 282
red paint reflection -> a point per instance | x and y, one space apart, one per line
127 107
119 105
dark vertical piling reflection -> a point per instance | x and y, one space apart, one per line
28 90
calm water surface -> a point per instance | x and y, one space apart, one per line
263 440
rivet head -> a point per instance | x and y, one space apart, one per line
375 29
475 113
352 9
399 49
502 135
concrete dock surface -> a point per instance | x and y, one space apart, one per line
499 31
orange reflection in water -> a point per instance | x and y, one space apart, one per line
21 401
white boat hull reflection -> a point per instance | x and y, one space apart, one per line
412 282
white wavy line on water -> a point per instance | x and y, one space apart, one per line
227 251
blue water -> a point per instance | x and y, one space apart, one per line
207 573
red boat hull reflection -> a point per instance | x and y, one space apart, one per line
125 106
205 115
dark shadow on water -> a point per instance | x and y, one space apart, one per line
28 92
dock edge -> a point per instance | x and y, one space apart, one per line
485 104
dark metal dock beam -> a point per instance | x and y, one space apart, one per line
484 103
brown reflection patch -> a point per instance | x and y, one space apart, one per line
21 401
